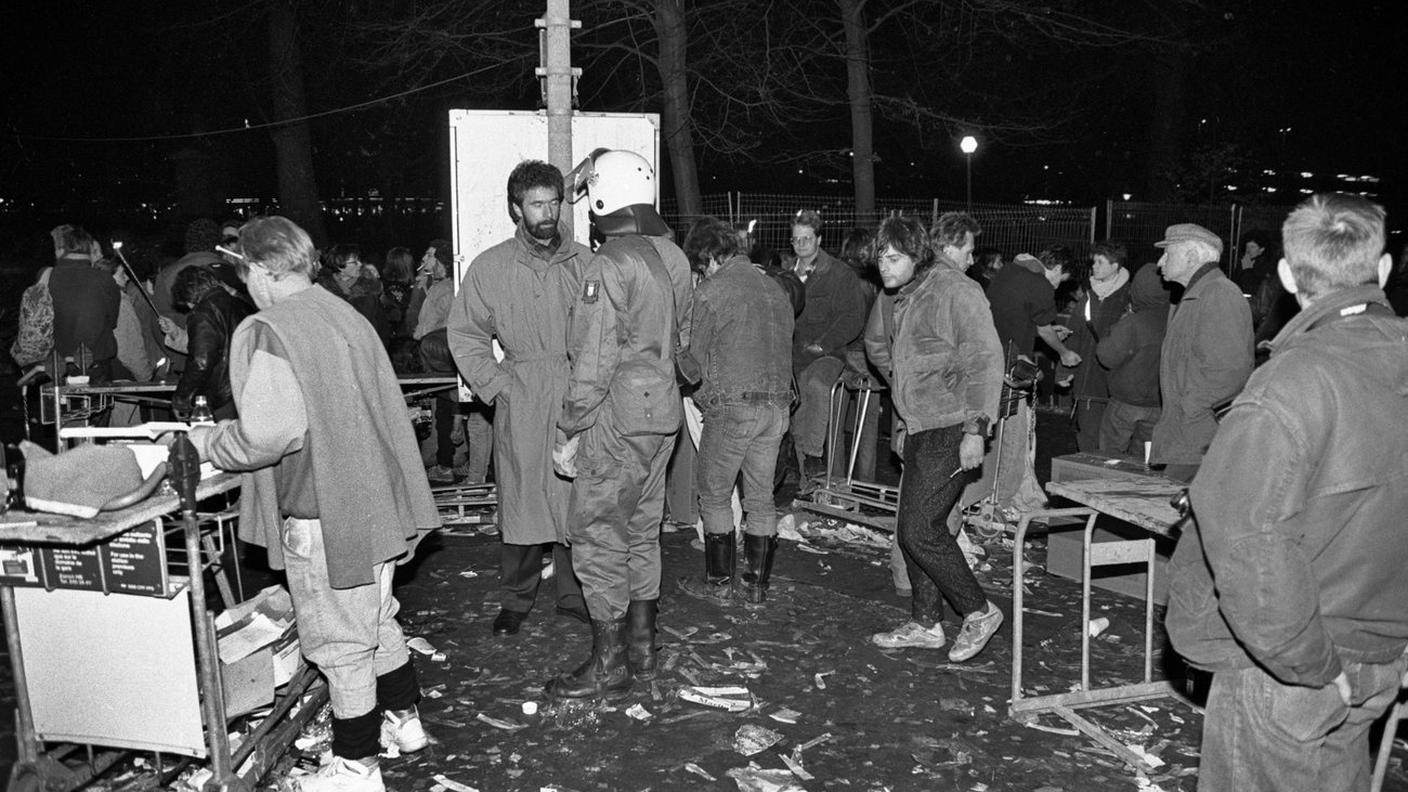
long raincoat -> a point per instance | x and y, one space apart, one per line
524 301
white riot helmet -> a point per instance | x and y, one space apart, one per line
620 179
620 188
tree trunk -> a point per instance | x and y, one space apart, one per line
293 144
677 118
859 94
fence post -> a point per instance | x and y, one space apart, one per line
1092 225
1109 218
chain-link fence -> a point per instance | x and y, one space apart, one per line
1140 225
1012 228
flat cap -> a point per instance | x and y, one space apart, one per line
1189 232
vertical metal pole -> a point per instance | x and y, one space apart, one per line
26 743
1092 226
1109 218
558 74
969 158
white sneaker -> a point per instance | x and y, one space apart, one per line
978 627
343 775
911 635
403 730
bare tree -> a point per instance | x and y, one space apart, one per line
293 144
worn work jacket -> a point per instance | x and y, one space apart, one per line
525 301
1298 562
1205 360
741 338
934 341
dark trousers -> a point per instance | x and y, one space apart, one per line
1089 414
521 570
445 413
927 494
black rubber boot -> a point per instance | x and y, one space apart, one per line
640 647
717 584
758 551
606 674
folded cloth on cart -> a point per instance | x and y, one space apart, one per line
79 481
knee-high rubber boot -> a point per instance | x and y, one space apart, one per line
717 584
640 648
758 550
605 675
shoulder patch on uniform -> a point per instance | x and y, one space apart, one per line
590 289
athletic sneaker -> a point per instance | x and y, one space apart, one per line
403 729
978 627
911 635
343 775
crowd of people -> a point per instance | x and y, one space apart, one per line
587 367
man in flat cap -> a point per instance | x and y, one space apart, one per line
1207 351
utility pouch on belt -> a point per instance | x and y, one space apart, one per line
643 395
645 400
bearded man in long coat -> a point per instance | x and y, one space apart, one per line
520 292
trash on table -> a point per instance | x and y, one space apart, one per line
1098 626
452 785
639 713
1153 761
699 771
755 779
731 698
530 708
752 739
806 548
820 679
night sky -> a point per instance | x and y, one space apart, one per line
1330 73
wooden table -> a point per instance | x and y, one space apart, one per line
1142 501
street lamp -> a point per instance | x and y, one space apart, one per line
968 145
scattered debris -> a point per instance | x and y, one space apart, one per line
452 785
699 771
785 715
755 779
796 767
752 739
732 698
498 723
820 679
639 713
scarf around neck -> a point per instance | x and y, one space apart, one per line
1104 289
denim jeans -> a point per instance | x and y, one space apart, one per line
814 385
928 493
739 439
351 634
1261 734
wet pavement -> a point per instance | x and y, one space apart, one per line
828 710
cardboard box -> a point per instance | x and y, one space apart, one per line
256 640
1063 557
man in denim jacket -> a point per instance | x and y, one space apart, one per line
740 342
1291 589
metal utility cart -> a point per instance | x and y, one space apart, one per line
113 648
848 498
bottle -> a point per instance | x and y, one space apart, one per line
200 412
